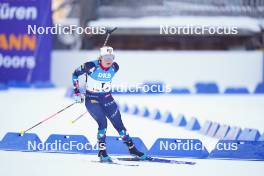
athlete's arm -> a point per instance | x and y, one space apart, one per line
115 66
78 72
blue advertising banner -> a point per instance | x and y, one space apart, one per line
24 55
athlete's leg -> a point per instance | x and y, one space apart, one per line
113 114
94 108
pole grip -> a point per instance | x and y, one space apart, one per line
109 32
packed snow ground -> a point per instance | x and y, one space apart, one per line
22 108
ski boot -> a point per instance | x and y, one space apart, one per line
103 154
134 151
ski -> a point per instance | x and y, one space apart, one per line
116 163
157 160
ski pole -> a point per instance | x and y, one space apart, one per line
109 32
73 121
22 132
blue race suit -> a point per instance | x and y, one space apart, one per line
98 100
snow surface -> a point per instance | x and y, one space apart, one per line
22 108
